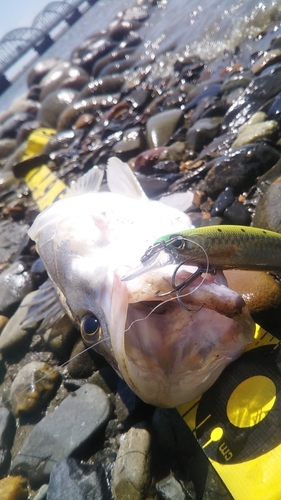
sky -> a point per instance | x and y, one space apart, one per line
19 13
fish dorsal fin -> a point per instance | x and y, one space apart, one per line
121 180
45 305
181 201
88 183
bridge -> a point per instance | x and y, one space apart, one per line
17 42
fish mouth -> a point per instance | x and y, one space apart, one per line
170 354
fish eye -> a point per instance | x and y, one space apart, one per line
178 243
90 328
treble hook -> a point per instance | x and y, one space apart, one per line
177 289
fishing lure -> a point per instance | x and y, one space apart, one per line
227 247
211 249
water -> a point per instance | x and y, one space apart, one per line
204 27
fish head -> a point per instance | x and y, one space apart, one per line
168 354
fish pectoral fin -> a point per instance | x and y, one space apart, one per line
181 201
88 183
45 305
121 180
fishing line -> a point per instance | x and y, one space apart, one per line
29 386
177 289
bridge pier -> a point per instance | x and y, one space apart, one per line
43 45
73 17
4 83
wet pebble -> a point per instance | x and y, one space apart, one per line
12 333
271 57
83 362
171 489
71 480
267 214
258 92
61 337
90 105
13 488
118 66
63 72
224 200
202 132
161 126
53 105
104 64
131 142
10 127
40 69
11 236
100 86
7 433
41 493
239 168
7 146
91 50
15 283
251 132
34 386
131 470
237 213
118 29
76 420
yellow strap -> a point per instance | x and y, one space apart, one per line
44 185
238 422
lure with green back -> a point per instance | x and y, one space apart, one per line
227 247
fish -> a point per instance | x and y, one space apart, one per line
88 242
218 247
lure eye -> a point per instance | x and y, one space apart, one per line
178 243
90 329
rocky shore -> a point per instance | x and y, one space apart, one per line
75 430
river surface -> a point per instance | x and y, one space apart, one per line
205 27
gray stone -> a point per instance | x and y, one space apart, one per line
41 493
78 418
11 236
170 489
7 433
202 132
161 126
12 333
15 282
71 481
34 385
131 471
251 132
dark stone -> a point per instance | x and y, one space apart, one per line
239 168
12 125
11 236
202 132
7 433
224 200
260 90
237 214
15 283
71 480
171 489
268 214
78 418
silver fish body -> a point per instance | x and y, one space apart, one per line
166 354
